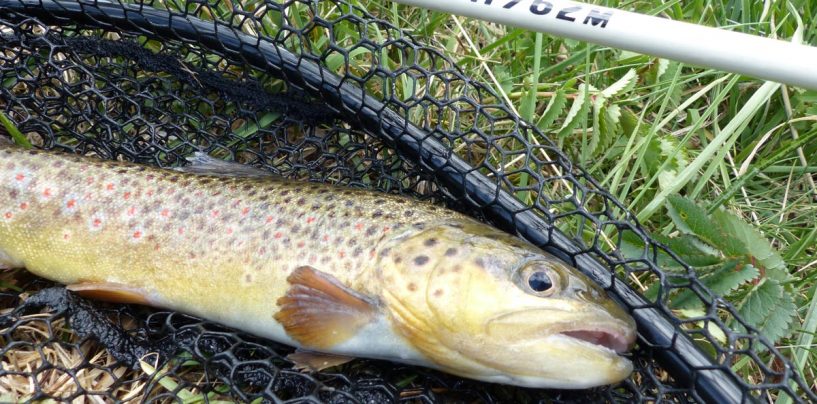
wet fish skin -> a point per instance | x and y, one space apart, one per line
337 270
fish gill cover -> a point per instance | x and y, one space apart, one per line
301 89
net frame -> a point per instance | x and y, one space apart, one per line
663 337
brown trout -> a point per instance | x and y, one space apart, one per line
327 269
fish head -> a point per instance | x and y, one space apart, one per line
485 305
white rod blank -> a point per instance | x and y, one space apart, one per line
750 55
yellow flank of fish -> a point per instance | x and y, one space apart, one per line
334 271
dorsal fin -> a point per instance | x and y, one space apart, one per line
201 163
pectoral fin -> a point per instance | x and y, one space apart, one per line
309 361
110 292
319 312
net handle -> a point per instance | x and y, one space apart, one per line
755 56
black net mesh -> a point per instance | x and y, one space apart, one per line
307 89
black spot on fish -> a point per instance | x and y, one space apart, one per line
480 262
352 241
450 252
420 260
430 242
301 201
385 252
377 214
409 213
371 231
247 187
349 203
357 251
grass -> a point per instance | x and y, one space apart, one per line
661 129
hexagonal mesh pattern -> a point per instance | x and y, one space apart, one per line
303 89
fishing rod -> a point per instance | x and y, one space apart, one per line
755 56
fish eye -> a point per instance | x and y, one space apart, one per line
537 279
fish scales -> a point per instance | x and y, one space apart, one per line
231 230
331 269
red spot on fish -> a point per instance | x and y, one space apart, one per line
131 211
359 226
341 253
165 213
47 192
97 222
269 219
181 230
310 220
8 215
386 229
156 247
137 234
229 230
66 236
109 187
23 206
214 213
126 195
278 235
371 253
301 244
149 192
71 203
245 211
326 237
20 177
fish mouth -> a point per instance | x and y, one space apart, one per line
617 341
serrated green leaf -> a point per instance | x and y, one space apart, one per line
624 84
599 130
755 243
721 282
661 158
555 107
769 309
692 219
661 66
577 112
689 249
